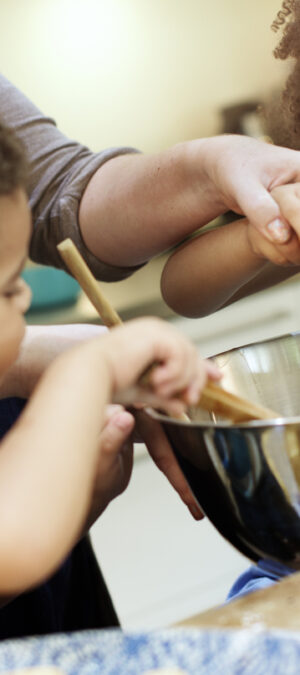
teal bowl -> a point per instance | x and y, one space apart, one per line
50 287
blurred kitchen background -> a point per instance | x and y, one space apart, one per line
150 73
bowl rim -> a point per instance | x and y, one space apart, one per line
226 424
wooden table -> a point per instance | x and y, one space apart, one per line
274 607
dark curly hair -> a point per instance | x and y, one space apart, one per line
283 115
13 165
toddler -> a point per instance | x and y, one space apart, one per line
51 457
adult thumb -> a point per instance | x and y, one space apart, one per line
264 213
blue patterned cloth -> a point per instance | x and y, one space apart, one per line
196 652
259 576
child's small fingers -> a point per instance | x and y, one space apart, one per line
189 389
176 372
174 407
283 254
193 392
206 370
264 248
213 371
291 251
173 383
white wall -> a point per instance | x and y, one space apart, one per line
142 72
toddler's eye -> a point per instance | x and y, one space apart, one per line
11 292
15 288
19 295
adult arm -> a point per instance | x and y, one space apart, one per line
136 206
40 346
121 207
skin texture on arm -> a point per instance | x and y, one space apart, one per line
202 275
231 262
137 206
215 269
40 345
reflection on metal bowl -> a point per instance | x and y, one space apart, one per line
246 477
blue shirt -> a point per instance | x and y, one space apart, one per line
262 575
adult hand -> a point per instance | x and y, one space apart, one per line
115 460
137 206
161 452
40 346
245 171
287 253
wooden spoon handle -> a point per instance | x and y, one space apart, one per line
213 398
88 283
222 402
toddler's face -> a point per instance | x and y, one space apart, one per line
15 230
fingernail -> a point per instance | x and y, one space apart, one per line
195 511
192 395
123 420
279 231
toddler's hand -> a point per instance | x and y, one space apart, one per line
179 368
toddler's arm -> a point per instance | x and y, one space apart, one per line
231 262
40 346
48 460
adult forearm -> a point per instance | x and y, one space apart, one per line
40 346
136 206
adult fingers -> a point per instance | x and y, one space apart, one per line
288 200
278 254
116 431
162 454
262 210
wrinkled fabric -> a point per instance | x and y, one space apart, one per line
59 171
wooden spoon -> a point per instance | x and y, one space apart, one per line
214 398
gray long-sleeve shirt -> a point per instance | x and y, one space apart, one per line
59 171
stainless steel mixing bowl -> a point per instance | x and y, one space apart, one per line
246 477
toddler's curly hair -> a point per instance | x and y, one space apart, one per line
13 164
